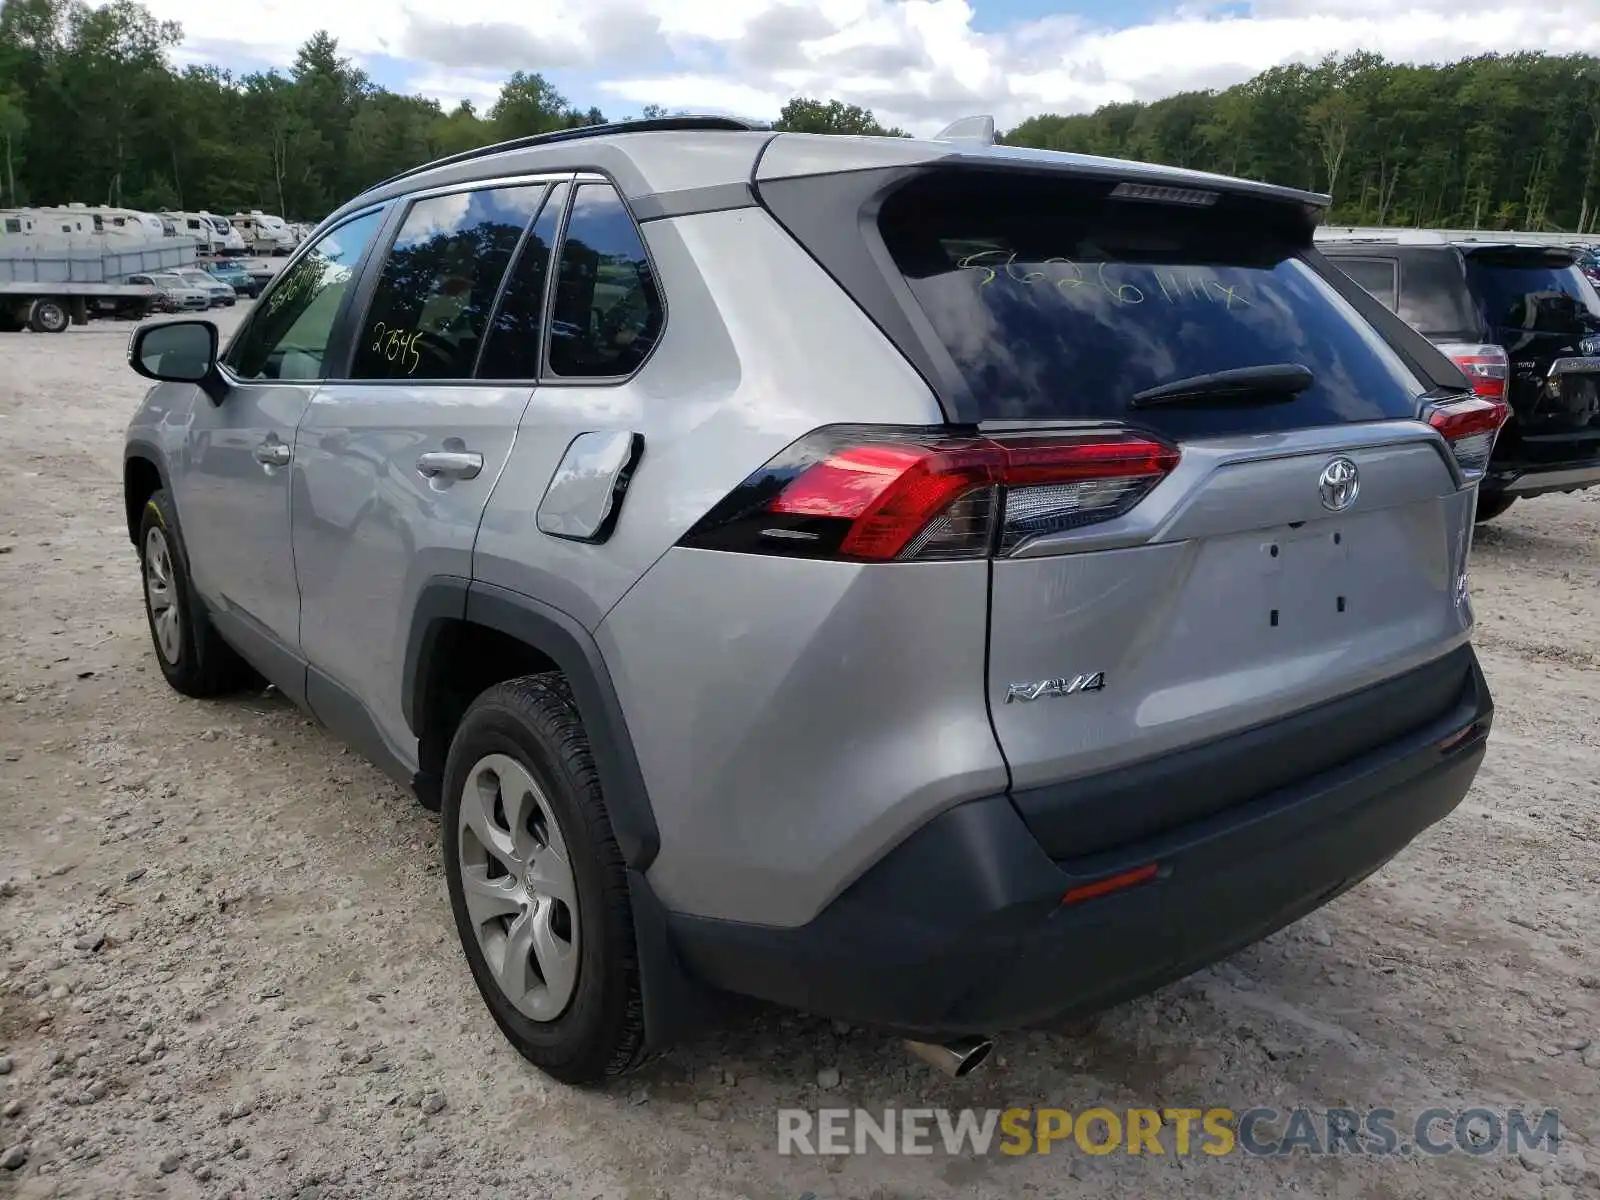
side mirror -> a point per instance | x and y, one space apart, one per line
175 352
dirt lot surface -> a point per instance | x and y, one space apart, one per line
227 964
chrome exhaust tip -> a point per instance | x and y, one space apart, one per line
957 1058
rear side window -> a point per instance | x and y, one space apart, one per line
512 351
608 312
1434 297
1533 293
431 308
1057 302
1380 276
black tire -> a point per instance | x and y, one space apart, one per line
1492 504
49 316
600 1032
204 665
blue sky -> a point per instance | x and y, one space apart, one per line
916 63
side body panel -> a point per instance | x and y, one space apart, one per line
795 719
370 528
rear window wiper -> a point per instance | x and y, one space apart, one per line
1272 383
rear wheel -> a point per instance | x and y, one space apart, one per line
48 316
537 883
1492 504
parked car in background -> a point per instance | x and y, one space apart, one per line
1523 324
173 293
997 583
235 276
1589 264
222 294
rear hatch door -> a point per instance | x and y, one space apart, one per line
1308 549
1540 307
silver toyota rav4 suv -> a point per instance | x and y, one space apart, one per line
925 583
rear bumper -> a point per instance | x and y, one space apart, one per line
1539 480
961 928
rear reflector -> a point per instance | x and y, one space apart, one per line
1111 883
1470 425
885 494
1459 737
1486 367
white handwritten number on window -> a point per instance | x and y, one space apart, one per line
1069 276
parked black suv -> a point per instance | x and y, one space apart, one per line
1523 324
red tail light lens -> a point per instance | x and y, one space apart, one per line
1470 425
879 495
1486 367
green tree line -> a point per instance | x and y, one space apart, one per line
1494 142
92 110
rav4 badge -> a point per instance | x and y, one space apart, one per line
1045 688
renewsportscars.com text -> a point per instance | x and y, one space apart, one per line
1260 1132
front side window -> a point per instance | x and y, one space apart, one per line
13 225
431 308
608 311
288 334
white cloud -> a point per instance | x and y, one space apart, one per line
917 63
451 90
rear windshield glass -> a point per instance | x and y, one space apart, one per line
1534 293
1057 302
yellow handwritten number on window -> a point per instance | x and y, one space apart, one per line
397 346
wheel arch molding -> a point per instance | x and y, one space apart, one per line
448 602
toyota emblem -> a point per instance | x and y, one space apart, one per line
1339 485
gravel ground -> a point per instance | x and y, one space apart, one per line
227 964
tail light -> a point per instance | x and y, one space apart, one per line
882 494
1486 368
1470 426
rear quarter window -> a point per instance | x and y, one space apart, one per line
1380 276
1057 302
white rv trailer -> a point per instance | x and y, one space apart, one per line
263 233
62 266
101 221
212 234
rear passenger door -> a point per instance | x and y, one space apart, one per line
397 458
561 527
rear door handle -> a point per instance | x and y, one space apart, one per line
457 464
273 453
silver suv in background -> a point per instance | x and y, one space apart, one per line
219 294
926 583
173 294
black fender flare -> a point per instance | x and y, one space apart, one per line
674 1001
563 640
142 448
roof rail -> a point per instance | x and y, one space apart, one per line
650 125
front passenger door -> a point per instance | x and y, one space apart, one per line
232 489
